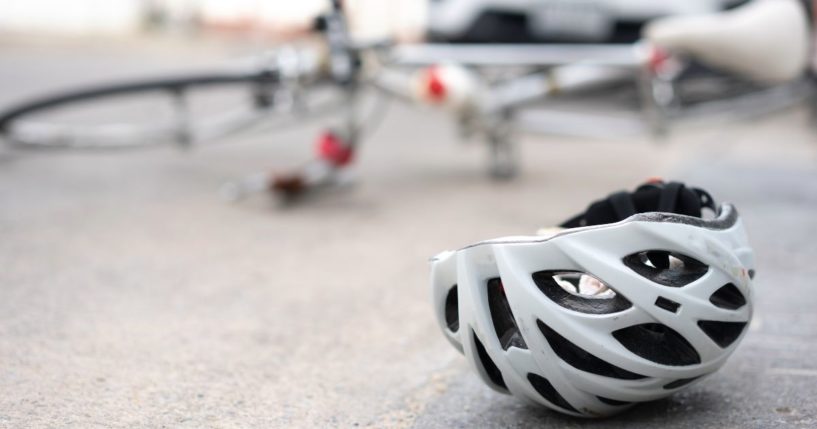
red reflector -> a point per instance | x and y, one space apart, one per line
658 59
435 87
332 149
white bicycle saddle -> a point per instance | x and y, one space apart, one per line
765 40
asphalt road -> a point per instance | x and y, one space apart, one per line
132 295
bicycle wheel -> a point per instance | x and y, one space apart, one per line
184 110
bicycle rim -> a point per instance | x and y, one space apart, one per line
183 110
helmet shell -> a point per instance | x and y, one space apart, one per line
668 325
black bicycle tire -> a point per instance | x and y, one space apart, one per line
169 84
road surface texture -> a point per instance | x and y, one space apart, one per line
132 295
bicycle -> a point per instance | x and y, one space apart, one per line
488 89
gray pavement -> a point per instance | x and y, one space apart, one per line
131 295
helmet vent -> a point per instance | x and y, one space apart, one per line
722 333
502 316
544 388
581 359
666 268
728 297
680 382
667 304
580 292
658 343
612 402
452 310
488 365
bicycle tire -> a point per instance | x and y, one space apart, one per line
41 137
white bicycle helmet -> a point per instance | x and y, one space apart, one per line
635 299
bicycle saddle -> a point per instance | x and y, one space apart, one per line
765 40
